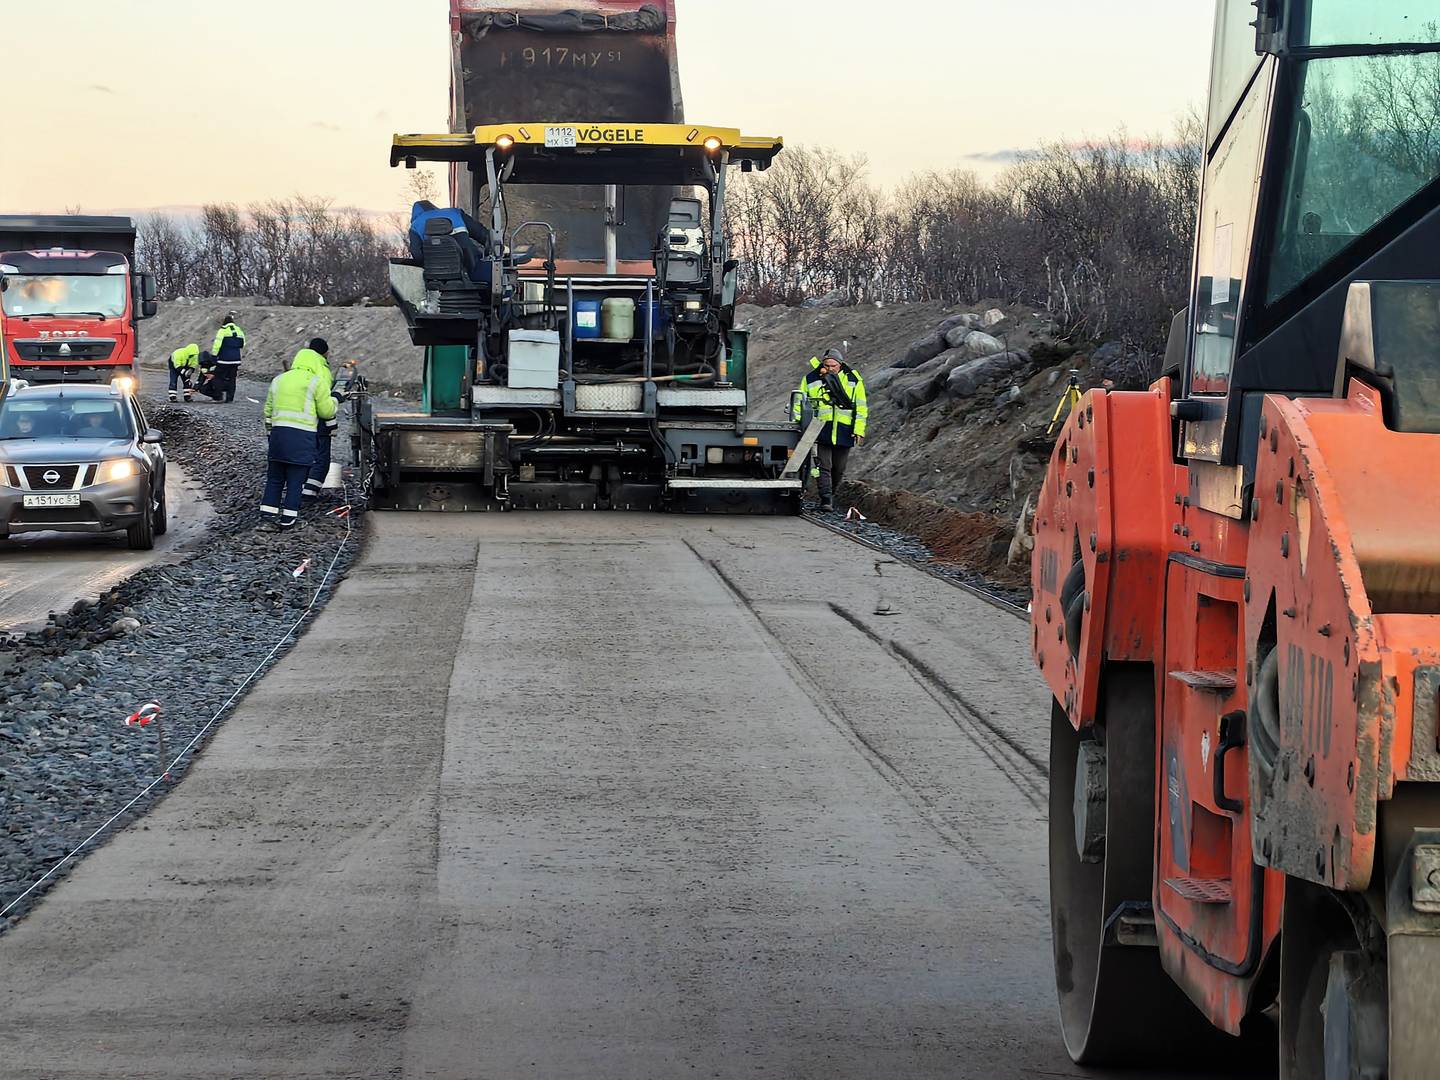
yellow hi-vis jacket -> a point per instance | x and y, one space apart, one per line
311 361
296 401
316 364
844 420
187 356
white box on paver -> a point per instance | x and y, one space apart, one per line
534 360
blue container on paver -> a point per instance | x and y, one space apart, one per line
657 317
587 319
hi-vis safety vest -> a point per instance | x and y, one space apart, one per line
187 356
229 340
295 401
844 420
313 362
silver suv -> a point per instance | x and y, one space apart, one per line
80 458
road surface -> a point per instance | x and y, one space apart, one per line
45 572
583 795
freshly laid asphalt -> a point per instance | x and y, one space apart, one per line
583 795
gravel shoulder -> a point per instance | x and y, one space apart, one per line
186 633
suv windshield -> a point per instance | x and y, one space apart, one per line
61 418
1363 138
64 294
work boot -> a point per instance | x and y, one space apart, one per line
268 527
173 398
827 503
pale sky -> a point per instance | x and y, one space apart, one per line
140 103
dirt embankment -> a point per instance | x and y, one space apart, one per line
957 426
375 337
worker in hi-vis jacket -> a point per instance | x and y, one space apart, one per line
299 401
836 394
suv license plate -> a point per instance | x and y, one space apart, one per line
39 502
560 136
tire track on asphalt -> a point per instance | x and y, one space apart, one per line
1028 776
923 805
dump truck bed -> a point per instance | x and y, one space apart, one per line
610 61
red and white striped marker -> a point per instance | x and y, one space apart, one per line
146 714
341 512
299 571
855 515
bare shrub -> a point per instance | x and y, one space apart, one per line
299 251
1098 233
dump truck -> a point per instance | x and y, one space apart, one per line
71 299
1237 587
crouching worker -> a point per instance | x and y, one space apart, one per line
184 366
296 405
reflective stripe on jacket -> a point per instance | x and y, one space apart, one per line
229 340
295 401
844 421
187 356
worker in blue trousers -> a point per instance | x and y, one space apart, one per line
316 360
298 402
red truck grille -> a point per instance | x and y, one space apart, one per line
66 350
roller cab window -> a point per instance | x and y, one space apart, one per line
1361 132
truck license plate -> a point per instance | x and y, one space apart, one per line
39 502
560 136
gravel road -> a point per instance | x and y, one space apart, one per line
45 572
583 795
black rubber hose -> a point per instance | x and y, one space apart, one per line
1074 582
1074 616
1265 732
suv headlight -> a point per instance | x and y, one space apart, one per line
117 470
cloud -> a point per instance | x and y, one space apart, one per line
99 88
325 125
999 157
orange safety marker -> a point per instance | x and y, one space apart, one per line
146 714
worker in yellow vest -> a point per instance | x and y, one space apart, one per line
836 395
184 365
299 401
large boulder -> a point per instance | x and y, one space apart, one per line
975 343
922 350
881 379
965 379
922 385
968 320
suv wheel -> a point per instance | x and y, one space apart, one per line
142 534
162 513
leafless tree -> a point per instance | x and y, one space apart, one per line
298 251
1098 233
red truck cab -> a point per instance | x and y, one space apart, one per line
70 298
